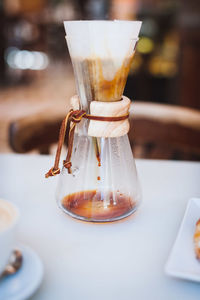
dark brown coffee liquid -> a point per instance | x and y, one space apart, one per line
93 205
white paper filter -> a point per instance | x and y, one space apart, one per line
102 39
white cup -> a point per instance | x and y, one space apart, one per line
9 217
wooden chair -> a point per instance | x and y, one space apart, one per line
163 131
35 132
157 131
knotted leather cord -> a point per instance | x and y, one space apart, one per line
74 116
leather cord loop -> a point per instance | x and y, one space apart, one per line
74 117
107 119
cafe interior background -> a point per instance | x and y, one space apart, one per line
37 81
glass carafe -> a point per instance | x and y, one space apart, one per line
103 185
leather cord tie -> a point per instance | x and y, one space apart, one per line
72 118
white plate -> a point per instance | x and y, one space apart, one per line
24 283
182 262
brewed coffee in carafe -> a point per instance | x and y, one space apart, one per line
102 184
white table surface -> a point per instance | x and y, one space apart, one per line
117 261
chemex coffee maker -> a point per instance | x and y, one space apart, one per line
98 181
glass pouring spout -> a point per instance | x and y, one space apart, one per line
103 185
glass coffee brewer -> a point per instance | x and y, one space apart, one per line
98 181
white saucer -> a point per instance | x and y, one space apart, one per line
182 262
24 283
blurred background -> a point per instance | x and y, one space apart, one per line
36 75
